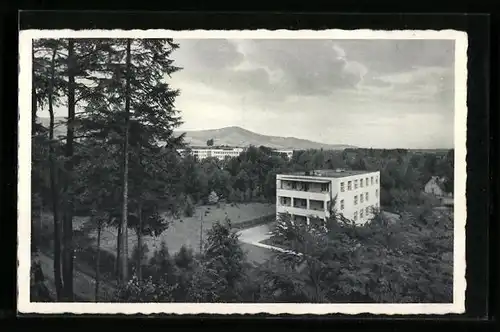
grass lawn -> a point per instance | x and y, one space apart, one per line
185 231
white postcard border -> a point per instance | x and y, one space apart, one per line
24 182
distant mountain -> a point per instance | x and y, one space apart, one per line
237 136
231 136
59 125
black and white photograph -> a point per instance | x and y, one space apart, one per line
299 172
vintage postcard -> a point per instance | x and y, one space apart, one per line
242 172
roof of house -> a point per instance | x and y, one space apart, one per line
330 173
438 181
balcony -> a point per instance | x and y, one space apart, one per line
317 196
300 211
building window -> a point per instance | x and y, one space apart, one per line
366 197
376 179
324 187
294 185
361 198
342 189
342 204
367 210
372 180
286 201
367 182
376 192
355 184
356 200
361 214
349 185
361 183
355 216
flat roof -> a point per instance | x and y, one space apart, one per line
308 179
329 173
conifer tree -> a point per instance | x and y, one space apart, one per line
136 116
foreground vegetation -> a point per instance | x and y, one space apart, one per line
380 262
117 166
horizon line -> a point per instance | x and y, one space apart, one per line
293 137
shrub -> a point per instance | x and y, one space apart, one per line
161 265
213 198
145 291
189 207
184 257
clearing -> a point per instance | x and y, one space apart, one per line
186 231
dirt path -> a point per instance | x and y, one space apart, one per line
252 238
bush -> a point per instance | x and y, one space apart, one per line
404 262
255 222
184 258
145 291
189 207
161 265
213 198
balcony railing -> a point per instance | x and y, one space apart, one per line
318 196
305 189
314 208
301 211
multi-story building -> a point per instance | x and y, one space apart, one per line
308 196
223 152
218 152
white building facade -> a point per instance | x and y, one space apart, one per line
219 153
223 152
435 186
308 197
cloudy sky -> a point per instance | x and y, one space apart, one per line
369 93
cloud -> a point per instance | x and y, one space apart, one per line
307 67
213 54
279 69
420 84
316 83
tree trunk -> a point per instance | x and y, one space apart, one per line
54 189
126 252
40 215
118 254
68 216
98 261
34 240
124 258
201 232
139 243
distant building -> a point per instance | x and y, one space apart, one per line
223 152
435 186
216 152
288 153
308 196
